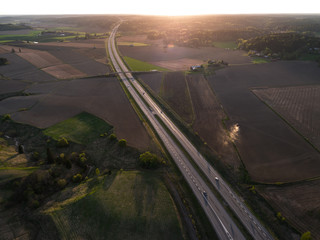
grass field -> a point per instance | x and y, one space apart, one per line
82 128
126 205
230 45
133 44
260 60
10 173
140 66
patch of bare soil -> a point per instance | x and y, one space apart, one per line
208 120
153 80
159 54
298 203
64 71
20 69
40 59
181 64
139 39
175 92
299 105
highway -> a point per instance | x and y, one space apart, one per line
219 218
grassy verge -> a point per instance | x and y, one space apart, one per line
140 66
258 60
82 128
130 205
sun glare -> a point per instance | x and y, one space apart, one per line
165 7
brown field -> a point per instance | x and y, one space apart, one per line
9 86
40 59
208 119
20 69
102 97
175 92
64 71
181 64
271 150
3 50
139 39
298 105
97 43
160 54
153 80
298 203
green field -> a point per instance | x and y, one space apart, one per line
125 205
134 44
34 36
140 66
258 60
230 45
82 128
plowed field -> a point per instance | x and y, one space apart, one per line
175 92
271 150
298 105
298 203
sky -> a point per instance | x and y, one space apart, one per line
160 7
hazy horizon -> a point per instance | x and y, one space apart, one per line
163 8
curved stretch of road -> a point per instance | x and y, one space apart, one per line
219 218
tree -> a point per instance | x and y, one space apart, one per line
77 178
97 171
50 157
306 236
122 143
3 61
112 137
62 142
148 160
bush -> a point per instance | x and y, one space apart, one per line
306 236
77 178
62 142
50 157
148 160
3 61
97 171
6 117
122 143
35 156
112 137
62 183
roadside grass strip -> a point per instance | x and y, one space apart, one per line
140 66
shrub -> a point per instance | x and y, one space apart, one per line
112 137
62 142
35 156
3 61
62 183
20 149
148 160
50 157
6 117
122 143
77 178
97 171
306 236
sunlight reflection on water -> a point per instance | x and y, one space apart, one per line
234 132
